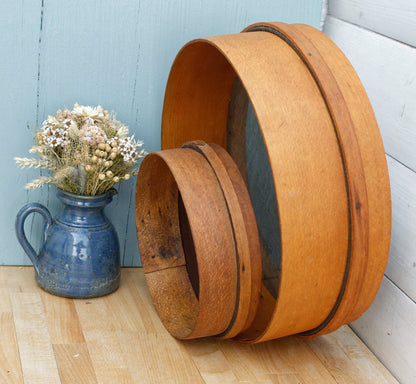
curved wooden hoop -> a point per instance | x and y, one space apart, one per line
353 168
163 175
374 166
245 235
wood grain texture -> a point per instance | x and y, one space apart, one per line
10 368
245 234
57 53
142 300
63 322
131 320
157 358
33 339
344 358
114 352
395 19
74 363
394 98
211 362
341 88
375 173
25 283
163 177
108 362
389 329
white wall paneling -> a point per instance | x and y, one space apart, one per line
393 18
389 330
401 267
388 72
379 38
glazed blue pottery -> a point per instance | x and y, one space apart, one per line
79 256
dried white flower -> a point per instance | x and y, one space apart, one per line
92 134
67 122
128 149
73 131
53 133
88 113
123 132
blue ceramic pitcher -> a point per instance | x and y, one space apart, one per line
79 256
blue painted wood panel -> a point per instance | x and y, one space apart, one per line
114 53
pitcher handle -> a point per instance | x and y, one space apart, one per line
24 212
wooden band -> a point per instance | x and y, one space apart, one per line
352 164
163 176
199 184
243 221
375 171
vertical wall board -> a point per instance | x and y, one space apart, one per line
388 328
114 53
89 55
19 52
393 18
388 72
401 267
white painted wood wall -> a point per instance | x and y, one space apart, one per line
379 38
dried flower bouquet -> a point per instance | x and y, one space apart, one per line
86 150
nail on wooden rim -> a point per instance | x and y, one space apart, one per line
290 90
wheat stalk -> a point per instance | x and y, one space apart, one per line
25 162
39 182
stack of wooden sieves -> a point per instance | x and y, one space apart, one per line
281 224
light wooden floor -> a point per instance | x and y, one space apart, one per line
119 339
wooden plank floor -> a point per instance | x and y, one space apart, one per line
120 339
